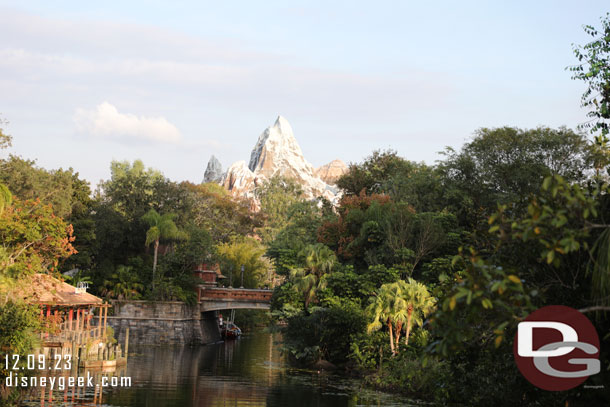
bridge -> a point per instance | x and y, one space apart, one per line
175 322
216 299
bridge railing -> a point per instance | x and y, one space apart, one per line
239 294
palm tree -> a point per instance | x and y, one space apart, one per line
161 227
382 308
310 279
400 305
419 303
122 285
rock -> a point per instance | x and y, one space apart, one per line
277 152
240 180
324 365
213 172
331 172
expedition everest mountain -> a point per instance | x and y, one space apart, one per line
277 153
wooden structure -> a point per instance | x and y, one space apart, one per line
70 327
67 312
217 299
209 276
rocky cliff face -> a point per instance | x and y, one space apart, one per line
331 172
213 172
277 153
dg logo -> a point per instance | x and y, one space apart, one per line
556 348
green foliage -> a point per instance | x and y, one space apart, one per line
326 333
406 374
19 327
162 227
246 252
179 288
399 305
131 188
123 284
276 197
5 139
303 220
210 207
507 165
6 198
19 323
286 301
311 279
346 283
384 172
594 70
483 302
33 239
60 188
79 277
372 230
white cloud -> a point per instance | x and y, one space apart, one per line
106 121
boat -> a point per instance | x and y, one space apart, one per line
230 331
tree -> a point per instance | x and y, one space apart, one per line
276 196
5 139
246 252
506 165
594 70
28 181
33 239
383 311
161 227
123 284
131 189
419 303
309 280
6 198
370 175
211 207
385 172
303 220
399 306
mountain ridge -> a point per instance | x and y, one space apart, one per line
277 153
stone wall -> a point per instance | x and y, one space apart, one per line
170 323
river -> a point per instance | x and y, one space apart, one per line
250 371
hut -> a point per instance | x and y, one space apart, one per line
67 311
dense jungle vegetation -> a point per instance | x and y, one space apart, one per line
415 281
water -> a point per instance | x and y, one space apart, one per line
250 371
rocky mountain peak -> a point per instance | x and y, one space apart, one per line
331 172
213 171
277 152
282 124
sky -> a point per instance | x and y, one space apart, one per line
171 83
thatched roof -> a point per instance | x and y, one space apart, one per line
47 290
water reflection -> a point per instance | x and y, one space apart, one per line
250 371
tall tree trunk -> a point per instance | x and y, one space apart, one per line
398 332
409 315
155 262
391 337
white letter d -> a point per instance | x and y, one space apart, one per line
525 338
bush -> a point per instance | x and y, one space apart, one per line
326 333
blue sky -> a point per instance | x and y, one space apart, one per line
171 83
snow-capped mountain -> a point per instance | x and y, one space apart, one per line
277 152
